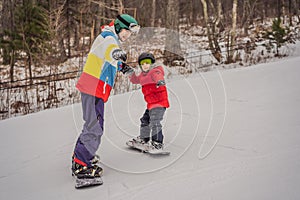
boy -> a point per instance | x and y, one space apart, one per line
95 83
155 94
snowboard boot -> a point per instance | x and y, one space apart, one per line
156 146
137 142
95 160
140 140
81 171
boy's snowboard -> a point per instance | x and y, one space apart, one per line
146 148
87 182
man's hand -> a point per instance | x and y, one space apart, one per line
126 69
120 55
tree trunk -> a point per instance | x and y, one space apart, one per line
297 10
232 33
68 29
283 11
290 13
121 10
212 39
7 23
172 43
207 25
30 67
278 9
245 17
219 10
92 35
153 13
62 50
12 64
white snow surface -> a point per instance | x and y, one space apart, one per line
233 134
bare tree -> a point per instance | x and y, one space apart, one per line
231 47
293 10
153 13
211 31
172 43
58 24
248 13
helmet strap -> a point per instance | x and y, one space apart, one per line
123 21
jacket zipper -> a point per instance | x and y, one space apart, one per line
104 86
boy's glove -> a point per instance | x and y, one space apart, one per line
118 54
160 83
126 69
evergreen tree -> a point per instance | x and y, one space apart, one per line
278 35
10 44
33 32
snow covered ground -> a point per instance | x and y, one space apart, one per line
233 134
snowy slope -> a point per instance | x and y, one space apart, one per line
233 134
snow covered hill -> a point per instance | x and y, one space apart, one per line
233 134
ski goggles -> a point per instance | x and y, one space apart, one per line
134 28
146 61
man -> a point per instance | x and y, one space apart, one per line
95 83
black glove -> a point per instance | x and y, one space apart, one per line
160 83
118 54
126 69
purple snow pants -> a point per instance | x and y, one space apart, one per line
90 137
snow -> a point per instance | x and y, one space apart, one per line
233 134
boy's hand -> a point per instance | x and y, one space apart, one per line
160 83
126 69
118 54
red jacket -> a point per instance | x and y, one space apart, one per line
155 96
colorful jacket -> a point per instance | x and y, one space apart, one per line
155 96
99 72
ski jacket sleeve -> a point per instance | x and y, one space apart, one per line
134 79
157 74
104 48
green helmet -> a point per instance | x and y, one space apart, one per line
126 21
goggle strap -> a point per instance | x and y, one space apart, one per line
123 21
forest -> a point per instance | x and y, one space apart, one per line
43 44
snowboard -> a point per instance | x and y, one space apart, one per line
87 182
146 149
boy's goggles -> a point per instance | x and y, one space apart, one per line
146 61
